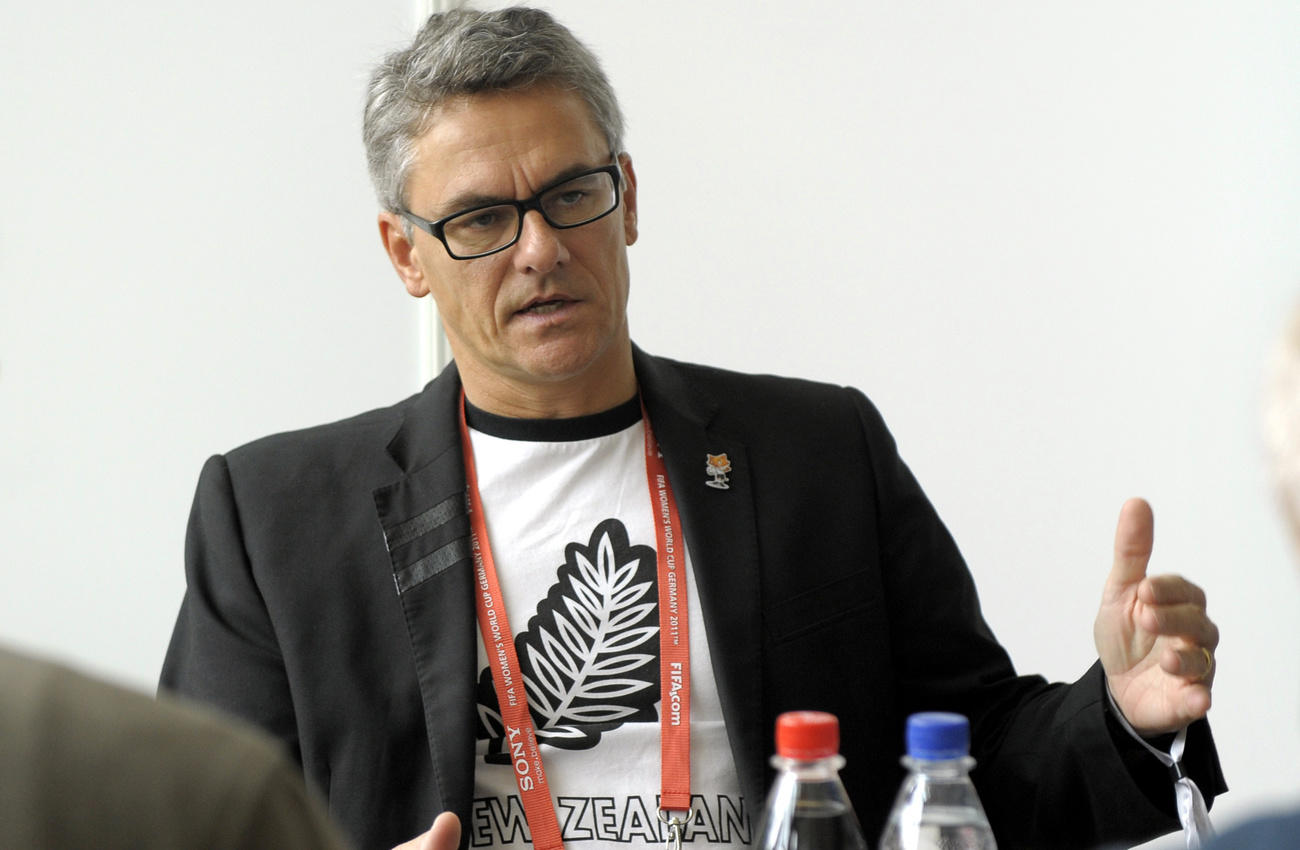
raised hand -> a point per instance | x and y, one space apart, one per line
1154 639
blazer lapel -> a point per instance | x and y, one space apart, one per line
721 532
426 530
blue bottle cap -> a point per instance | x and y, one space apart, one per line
938 736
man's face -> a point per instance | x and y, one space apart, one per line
553 306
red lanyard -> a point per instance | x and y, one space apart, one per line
674 651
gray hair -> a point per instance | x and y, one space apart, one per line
465 52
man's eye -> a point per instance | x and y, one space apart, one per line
486 218
572 197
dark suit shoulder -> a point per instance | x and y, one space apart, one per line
343 447
370 426
698 374
1263 833
776 395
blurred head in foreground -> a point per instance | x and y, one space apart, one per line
1282 423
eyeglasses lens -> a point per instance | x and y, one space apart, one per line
572 203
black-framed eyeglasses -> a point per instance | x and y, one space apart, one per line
487 229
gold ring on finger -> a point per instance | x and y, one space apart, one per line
1209 664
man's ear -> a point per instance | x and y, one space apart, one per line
403 254
629 198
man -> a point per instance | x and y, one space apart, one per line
87 764
673 548
1271 830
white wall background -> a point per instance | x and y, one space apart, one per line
1053 241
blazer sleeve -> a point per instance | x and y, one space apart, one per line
223 650
1053 768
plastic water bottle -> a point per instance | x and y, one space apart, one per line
937 808
808 808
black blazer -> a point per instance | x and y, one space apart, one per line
330 600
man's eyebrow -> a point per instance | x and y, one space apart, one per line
468 201
571 172
474 200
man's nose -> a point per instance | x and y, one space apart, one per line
540 247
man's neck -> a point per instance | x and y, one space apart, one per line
564 399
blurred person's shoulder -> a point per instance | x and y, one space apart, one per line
87 763
1268 832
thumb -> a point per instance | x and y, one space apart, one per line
1134 534
444 834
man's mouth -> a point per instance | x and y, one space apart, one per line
544 308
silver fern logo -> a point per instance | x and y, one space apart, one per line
590 655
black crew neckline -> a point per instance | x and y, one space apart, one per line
587 427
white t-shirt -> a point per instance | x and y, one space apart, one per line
572 533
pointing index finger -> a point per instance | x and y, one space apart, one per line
1134 534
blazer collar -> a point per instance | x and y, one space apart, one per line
432 423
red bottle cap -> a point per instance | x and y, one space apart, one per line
807 735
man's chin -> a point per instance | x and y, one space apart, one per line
598 373
565 360
559 370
